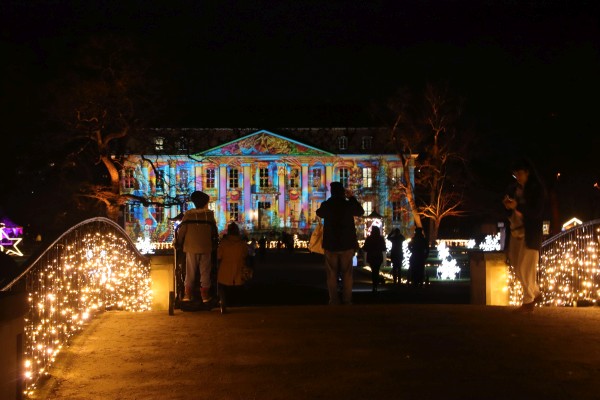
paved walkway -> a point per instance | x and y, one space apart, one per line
402 351
287 344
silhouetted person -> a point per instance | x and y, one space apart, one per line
339 240
396 254
375 248
419 250
262 247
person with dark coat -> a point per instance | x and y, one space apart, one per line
375 248
419 250
525 201
396 254
339 240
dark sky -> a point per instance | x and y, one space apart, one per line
529 70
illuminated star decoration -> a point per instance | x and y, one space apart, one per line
12 249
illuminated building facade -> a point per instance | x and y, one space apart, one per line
264 181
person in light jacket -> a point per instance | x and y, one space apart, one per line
231 255
196 235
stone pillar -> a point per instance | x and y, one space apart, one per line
328 176
281 190
222 202
247 190
199 175
305 185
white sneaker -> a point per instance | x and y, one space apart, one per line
186 298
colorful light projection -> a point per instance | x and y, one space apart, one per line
10 237
88 270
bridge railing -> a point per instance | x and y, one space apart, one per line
92 267
569 272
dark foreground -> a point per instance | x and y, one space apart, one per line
363 351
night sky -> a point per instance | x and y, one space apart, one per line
529 70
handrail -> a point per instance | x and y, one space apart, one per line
92 267
569 268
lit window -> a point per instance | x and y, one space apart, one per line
344 177
316 178
234 178
294 178
128 179
183 179
396 175
130 212
159 143
234 211
263 174
210 178
368 207
160 181
343 142
367 177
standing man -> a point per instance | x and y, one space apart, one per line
525 201
198 235
339 240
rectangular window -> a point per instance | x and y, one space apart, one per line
210 178
368 207
234 211
367 177
396 211
234 178
265 205
263 174
294 178
396 175
159 215
366 142
128 179
183 179
130 213
345 177
159 143
316 178
160 181
343 142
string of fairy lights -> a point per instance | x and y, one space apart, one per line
93 267
569 273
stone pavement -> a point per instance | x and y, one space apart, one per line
364 351
286 343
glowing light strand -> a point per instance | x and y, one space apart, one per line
569 273
91 268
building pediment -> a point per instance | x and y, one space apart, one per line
263 143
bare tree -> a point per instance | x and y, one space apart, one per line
429 125
107 96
